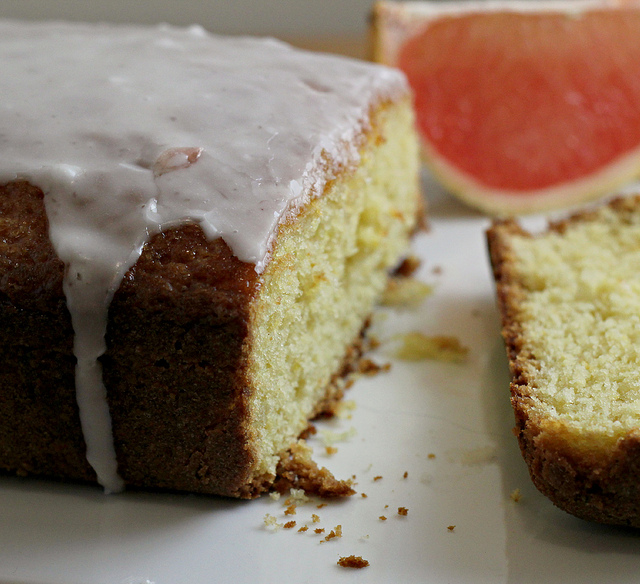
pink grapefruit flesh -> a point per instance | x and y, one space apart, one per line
523 111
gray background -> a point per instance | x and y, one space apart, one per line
288 18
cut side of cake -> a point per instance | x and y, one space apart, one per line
191 244
570 303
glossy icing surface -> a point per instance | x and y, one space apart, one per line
131 130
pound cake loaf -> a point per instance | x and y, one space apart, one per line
193 233
570 302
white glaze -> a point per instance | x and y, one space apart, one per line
131 130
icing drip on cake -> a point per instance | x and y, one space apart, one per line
129 131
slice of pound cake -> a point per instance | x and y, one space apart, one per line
193 233
570 302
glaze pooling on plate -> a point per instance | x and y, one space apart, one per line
132 130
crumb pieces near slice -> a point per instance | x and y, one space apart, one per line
516 495
377 478
374 341
290 510
329 438
408 266
431 456
310 431
297 496
298 470
315 518
382 518
289 525
303 529
451 527
321 505
344 408
353 562
336 532
319 530
416 346
405 475
331 450
405 292
272 522
274 495
364 495
403 511
369 368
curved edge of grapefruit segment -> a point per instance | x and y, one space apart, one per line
521 107
503 202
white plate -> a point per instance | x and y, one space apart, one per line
61 534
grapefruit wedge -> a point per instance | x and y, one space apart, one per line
521 106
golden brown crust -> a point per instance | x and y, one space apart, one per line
601 486
166 370
297 470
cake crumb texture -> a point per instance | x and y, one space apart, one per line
570 303
353 562
297 470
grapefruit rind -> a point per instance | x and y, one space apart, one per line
394 23
506 203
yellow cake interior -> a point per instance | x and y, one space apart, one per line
581 321
328 269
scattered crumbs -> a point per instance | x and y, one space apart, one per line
319 530
329 438
417 346
344 408
373 342
406 474
369 367
303 529
431 456
315 518
274 495
290 510
364 495
437 270
331 450
405 293
382 518
377 478
451 527
403 511
298 495
353 477
289 525
333 534
321 505
516 495
386 506
353 562
408 266
310 431
271 521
